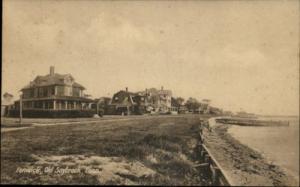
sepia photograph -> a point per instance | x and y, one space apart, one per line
150 92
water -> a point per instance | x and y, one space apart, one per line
278 144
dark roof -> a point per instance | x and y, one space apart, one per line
174 102
47 80
7 95
122 92
122 95
75 84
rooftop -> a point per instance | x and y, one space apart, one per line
53 79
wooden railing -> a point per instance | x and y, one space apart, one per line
209 163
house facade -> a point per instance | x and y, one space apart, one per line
101 105
158 100
123 102
54 95
150 100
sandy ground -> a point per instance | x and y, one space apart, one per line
243 165
104 168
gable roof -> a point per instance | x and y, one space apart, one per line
7 95
154 91
122 92
47 80
122 95
75 84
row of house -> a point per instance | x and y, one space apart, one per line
148 101
59 95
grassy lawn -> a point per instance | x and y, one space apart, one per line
15 121
151 150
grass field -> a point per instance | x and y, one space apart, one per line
148 151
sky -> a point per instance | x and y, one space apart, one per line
240 54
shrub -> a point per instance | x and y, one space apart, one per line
53 113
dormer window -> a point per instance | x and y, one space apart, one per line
116 98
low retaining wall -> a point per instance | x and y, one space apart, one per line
209 165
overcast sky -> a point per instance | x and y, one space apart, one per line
238 54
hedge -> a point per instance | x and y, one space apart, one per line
53 113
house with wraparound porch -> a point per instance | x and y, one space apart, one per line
54 95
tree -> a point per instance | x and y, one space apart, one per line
192 104
180 100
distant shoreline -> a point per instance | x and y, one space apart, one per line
279 116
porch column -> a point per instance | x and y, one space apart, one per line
59 105
74 104
97 106
54 105
55 90
66 104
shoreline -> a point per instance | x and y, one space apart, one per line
269 159
246 165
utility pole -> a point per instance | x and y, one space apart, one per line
97 106
21 108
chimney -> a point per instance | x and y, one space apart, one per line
162 88
126 89
51 70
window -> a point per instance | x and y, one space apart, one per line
60 90
26 93
52 90
40 92
35 92
68 91
31 92
76 92
45 92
